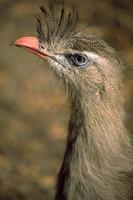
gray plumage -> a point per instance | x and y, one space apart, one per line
98 161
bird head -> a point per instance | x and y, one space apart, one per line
82 61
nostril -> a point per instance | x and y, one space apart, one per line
42 47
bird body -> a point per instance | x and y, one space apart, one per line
98 161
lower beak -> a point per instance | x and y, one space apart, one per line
31 44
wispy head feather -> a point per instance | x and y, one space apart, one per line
51 27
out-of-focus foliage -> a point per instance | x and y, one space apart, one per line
33 108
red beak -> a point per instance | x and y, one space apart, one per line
31 44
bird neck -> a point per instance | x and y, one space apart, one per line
96 139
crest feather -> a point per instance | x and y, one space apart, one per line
51 27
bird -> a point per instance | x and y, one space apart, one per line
98 160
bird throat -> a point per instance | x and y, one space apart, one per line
73 155
95 141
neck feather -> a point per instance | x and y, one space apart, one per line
98 147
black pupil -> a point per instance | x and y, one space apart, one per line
80 59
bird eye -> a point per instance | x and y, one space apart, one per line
78 59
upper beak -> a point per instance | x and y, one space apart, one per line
32 45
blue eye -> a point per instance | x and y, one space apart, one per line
78 59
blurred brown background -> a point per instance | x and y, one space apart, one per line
33 108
